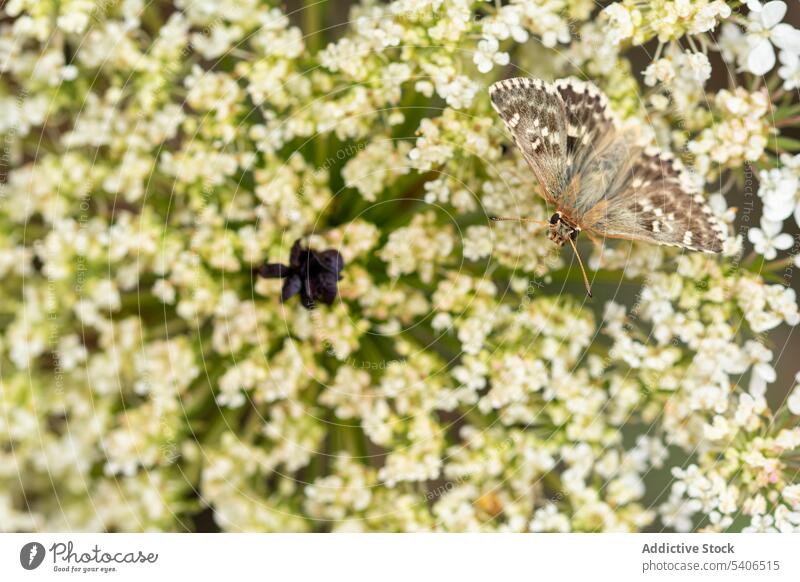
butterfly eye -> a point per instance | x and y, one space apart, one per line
574 234
555 218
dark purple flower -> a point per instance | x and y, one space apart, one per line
315 275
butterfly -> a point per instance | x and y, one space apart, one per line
598 178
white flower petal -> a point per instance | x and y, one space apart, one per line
754 5
771 227
765 372
717 203
761 58
783 241
793 402
778 212
772 13
789 58
786 37
756 237
758 387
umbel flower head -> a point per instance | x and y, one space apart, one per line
315 275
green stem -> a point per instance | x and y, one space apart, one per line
573 275
788 121
778 265
313 23
750 260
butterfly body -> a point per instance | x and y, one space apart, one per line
599 178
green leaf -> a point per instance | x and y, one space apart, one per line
782 143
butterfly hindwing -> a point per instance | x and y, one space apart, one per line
534 114
652 200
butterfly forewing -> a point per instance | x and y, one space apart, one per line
598 177
588 120
534 114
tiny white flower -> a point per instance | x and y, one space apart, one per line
778 189
793 401
732 43
698 67
791 494
790 70
719 206
660 71
507 24
763 372
765 29
769 239
488 54
620 23
424 87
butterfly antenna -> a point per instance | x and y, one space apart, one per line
521 219
583 271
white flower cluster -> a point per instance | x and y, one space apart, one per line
779 190
667 20
754 48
